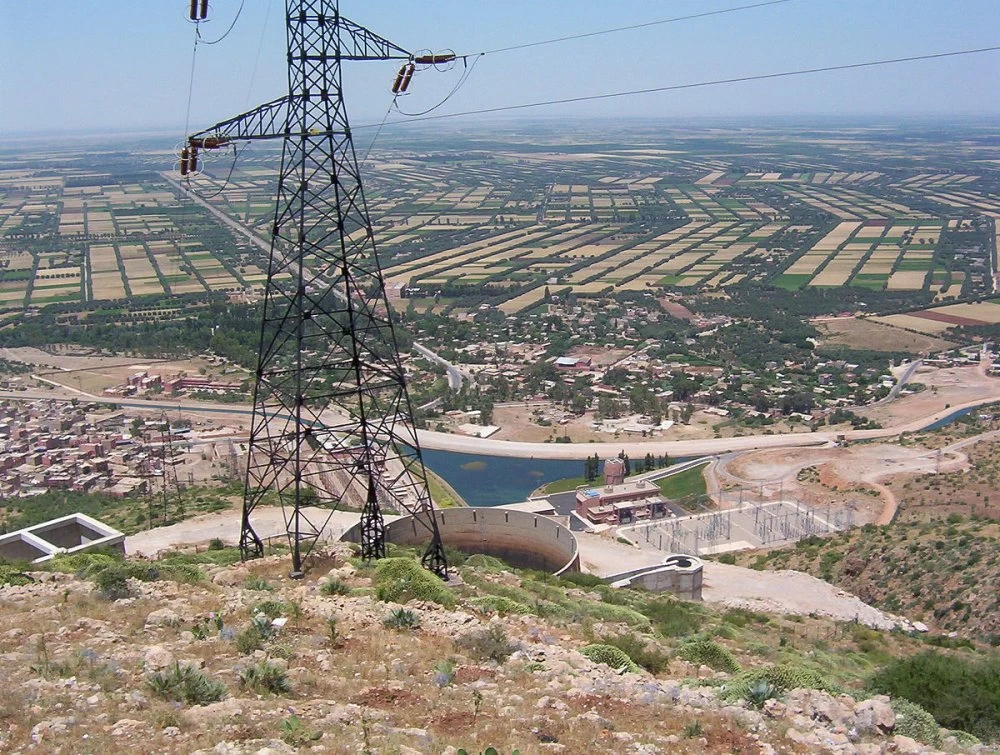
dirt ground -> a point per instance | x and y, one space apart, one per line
787 592
92 374
945 388
842 477
865 334
516 424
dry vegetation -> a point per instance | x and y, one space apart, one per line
108 659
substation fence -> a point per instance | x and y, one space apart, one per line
749 524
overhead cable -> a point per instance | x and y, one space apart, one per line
696 85
584 35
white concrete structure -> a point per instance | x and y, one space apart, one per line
68 534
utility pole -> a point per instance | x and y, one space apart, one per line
332 420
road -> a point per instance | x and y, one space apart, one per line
222 217
455 377
519 449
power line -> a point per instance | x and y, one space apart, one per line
695 85
231 27
690 17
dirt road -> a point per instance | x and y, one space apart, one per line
786 592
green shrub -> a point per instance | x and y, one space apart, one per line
252 638
916 723
489 644
335 587
760 692
398 580
673 617
582 580
258 584
112 582
12 575
84 565
711 654
610 656
401 618
959 693
639 650
265 677
272 609
499 604
778 679
618 615
186 684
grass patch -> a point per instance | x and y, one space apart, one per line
690 482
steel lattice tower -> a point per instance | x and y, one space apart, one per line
332 421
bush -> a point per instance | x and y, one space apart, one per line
265 677
750 684
272 609
258 584
398 580
112 582
638 649
401 618
916 723
582 580
499 604
253 637
610 656
186 684
335 587
711 654
12 575
673 617
486 645
484 562
958 693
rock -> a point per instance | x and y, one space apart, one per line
230 577
920 626
874 716
198 715
774 708
127 726
50 728
907 746
157 657
342 572
163 617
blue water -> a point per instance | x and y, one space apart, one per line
496 480
950 418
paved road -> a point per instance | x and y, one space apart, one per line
455 377
520 449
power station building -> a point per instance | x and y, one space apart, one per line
620 502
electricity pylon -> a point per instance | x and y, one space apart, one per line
332 421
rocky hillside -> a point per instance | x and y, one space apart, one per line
941 572
198 653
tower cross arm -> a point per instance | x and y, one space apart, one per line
358 43
267 121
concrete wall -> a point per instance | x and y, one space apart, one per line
679 575
521 539
68 534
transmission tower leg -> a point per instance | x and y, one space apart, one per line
372 528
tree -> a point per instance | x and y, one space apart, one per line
579 403
624 457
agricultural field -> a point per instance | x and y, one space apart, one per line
469 218
76 236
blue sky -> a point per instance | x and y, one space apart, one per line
123 65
